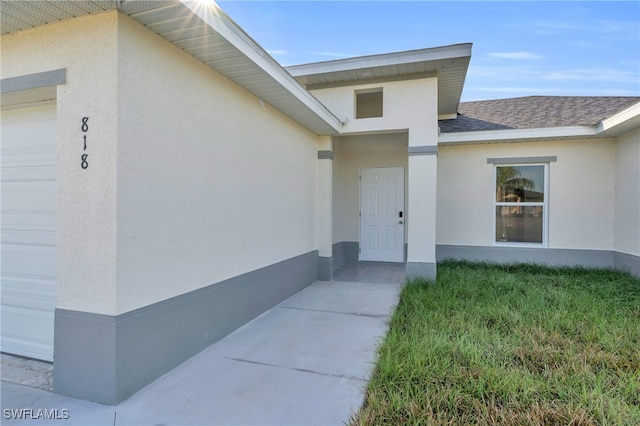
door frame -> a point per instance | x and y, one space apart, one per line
402 250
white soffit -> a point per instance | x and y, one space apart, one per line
200 28
448 63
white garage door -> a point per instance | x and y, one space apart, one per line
28 230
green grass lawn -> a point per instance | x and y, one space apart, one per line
510 345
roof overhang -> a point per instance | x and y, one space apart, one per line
448 63
203 30
623 122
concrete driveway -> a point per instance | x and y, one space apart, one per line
306 361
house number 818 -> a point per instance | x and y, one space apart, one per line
85 128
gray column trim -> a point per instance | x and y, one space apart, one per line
325 268
627 262
106 358
325 155
425 270
423 150
33 81
345 253
522 160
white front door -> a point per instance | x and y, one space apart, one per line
28 243
382 214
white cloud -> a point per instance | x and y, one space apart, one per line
515 55
613 30
590 44
592 74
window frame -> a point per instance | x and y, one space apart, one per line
372 90
544 204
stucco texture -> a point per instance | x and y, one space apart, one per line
351 154
212 183
581 195
191 179
87 48
627 222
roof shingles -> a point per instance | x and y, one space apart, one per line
535 112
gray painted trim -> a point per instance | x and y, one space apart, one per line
345 253
337 251
325 155
33 81
522 160
421 270
107 358
542 255
423 150
325 268
627 262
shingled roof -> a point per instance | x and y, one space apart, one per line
533 112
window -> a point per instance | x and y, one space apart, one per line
521 203
369 103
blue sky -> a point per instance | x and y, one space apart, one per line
519 48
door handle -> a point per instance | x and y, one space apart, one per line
400 222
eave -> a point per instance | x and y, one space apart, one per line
203 30
448 63
620 123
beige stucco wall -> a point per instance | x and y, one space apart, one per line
86 225
211 183
627 221
408 104
581 192
352 153
191 180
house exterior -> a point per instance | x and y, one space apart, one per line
164 180
586 150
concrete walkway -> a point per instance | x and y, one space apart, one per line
306 361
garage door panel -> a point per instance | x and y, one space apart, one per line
34 195
28 243
17 176
35 155
29 260
28 305
22 220
29 291
31 347
29 233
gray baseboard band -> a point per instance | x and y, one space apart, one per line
106 358
627 262
546 256
421 270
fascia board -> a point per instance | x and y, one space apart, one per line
625 115
516 134
398 58
224 26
